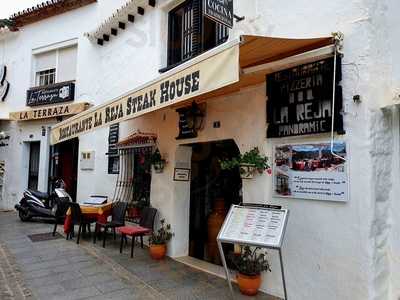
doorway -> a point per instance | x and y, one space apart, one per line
64 165
34 160
212 192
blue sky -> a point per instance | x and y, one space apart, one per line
8 7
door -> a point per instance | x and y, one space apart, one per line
34 160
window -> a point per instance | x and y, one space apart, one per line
191 34
113 156
55 66
46 77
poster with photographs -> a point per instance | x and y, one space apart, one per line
311 171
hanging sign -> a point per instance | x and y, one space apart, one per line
311 171
52 94
49 112
300 100
207 75
220 11
4 84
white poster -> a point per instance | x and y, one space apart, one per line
311 171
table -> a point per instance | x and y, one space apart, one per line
98 212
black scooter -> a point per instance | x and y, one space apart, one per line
42 205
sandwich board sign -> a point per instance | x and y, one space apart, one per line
254 225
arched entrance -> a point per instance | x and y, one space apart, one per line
212 192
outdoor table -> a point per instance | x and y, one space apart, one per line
99 212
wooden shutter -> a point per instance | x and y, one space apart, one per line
222 34
191 30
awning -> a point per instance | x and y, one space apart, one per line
214 73
138 139
46 112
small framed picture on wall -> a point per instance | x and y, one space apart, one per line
181 174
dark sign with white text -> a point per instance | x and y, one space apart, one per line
300 100
52 94
220 11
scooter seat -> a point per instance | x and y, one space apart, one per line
40 195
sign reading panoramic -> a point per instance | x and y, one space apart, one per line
220 11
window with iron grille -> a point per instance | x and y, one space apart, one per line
190 33
46 77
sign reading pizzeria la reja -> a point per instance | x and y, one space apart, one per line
300 100
220 11
52 94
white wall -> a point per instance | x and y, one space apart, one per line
332 250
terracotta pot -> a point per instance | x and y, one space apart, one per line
215 221
248 285
158 252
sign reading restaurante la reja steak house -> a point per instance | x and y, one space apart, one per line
300 100
210 74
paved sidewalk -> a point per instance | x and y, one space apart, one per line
61 269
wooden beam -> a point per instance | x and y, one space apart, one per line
100 42
131 18
152 3
114 31
140 10
121 25
106 37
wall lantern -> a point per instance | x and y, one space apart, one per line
158 161
191 120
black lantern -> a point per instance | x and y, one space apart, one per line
4 138
190 121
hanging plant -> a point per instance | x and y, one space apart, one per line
157 161
248 163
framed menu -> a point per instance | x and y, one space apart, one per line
256 226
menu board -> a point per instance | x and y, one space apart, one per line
256 226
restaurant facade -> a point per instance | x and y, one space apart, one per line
147 75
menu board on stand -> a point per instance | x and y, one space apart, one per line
254 225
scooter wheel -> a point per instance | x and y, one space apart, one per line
24 216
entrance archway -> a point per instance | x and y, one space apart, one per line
212 192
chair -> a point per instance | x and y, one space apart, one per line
60 213
145 227
77 218
117 220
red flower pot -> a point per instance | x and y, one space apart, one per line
248 285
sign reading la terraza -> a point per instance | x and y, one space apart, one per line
52 94
220 11
300 100
4 84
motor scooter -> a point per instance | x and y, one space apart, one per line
35 204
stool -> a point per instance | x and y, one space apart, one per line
132 231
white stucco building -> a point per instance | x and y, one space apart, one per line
333 249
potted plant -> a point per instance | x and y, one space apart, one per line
250 264
158 241
157 161
248 163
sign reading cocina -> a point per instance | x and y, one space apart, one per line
56 93
48 112
300 100
210 74
4 84
220 11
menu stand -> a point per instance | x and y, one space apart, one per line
223 237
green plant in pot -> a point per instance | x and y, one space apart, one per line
157 161
159 239
248 163
250 263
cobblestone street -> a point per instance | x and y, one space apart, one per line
60 269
